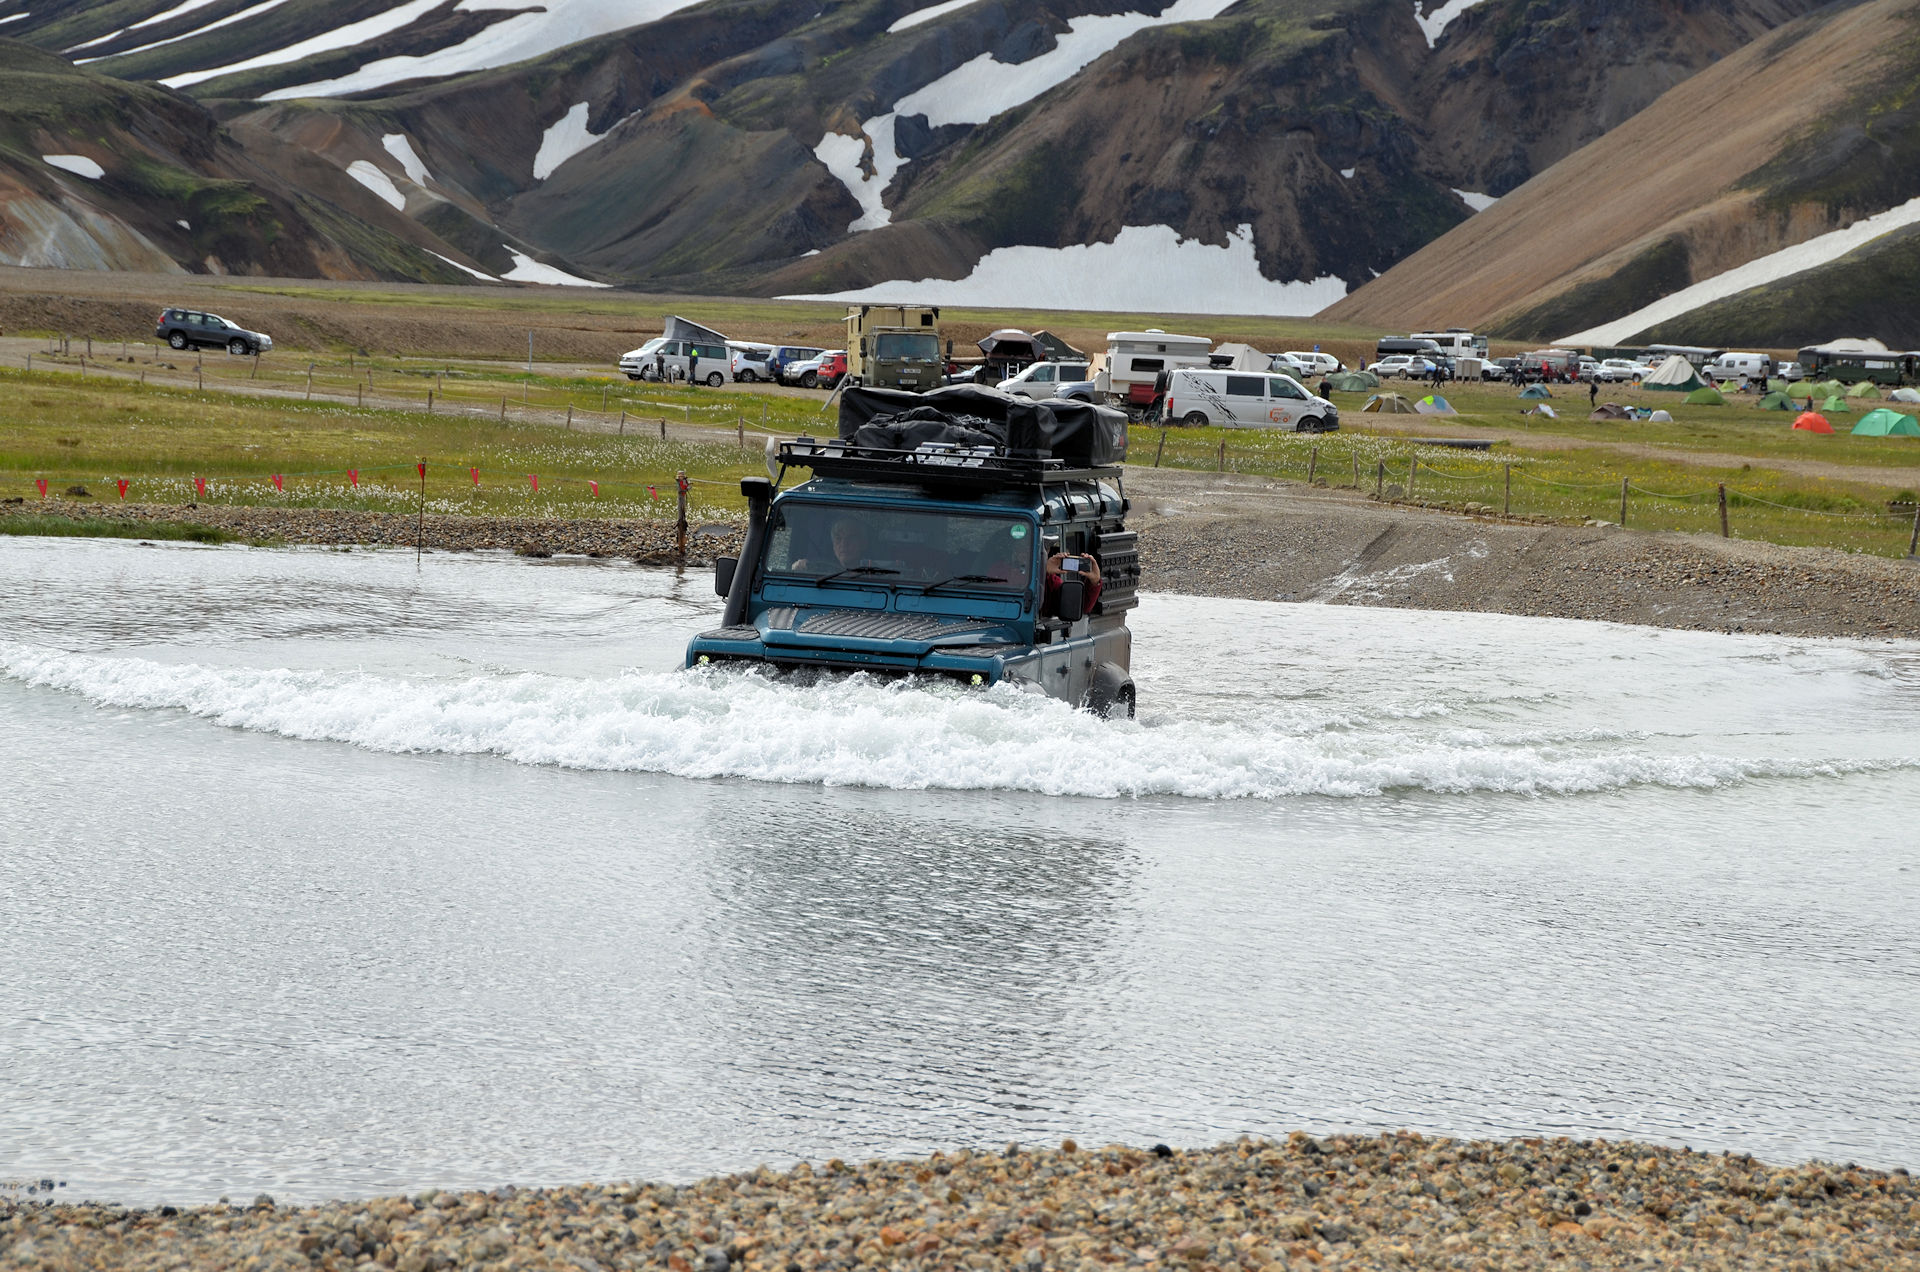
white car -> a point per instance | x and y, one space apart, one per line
1618 370
750 362
1314 363
1042 380
1402 364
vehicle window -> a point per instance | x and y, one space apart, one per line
1043 373
1149 364
912 546
1285 389
1251 386
907 346
1073 371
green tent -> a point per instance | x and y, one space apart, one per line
1830 388
1864 389
1776 401
1836 405
1534 392
1801 389
1705 396
1885 423
1776 385
1353 381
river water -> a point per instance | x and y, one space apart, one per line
323 875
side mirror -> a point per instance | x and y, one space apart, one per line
723 568
1073 597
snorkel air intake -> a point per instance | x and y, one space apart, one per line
759 495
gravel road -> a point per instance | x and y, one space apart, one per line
1388 1201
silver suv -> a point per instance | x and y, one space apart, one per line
192 329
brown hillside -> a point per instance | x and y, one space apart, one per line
1657 191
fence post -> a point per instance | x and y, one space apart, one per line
1354 453
663 428
429 401
309 381
1413 466
1913 540
1380 479
623 422
569 415
1161 447
1506 502
1623 499
603 398
740 431
199 379
253 373
89 344
1723 511
1313 462
503 408
680 526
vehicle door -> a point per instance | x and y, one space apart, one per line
1245 401
1286 403
1040 380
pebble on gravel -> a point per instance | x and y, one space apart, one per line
1358 1201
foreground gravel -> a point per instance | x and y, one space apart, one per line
1395 1200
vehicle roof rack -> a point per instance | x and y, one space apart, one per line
973 468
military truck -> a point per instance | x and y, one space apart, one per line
921 546
896 347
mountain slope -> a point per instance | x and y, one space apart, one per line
1800 134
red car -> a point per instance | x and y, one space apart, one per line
833 367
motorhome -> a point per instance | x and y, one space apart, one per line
1137 359
1455 342
895 347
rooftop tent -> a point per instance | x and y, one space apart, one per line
1776 402
1660 417
1241 357
1836 405
1535 391
1904 395
1864 389
1388 404
1057 350
1010 342
678 328
1434 404
1610 411
1885 423
1675 375
1705 396
1812 423
1353 381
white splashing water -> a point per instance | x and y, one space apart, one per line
891 734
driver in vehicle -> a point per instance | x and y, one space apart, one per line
849 537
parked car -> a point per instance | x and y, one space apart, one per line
825 370
750 361
1792 371
1405 364
785 356
676 359
1586 368
191 329
1618 371
1042 380
1235 399
1315 363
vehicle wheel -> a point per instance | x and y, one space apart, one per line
715 380
1111 695
237 347
1194 419
1312 424
746 377
808 379
178 340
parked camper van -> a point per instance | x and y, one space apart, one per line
1137 359
676 358
1740 366
1232 399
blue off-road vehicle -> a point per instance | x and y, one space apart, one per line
963 533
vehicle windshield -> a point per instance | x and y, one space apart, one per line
899 546
905 346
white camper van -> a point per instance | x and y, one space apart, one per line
1232 399
1136 359
1739 366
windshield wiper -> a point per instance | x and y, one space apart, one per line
854 569
963 578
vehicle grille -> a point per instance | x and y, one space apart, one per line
881 625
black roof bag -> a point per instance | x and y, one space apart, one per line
973 415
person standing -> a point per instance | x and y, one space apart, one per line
1593 393
693 366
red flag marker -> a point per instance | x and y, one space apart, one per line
535 482
595 487
122 483
40 484
200 486
475 474
278 482
353 478
422 466
652 493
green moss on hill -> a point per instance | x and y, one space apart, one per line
1656 272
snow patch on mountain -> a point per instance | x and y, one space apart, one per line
528 35
401 148
465 269
1478 202
327 42
1821 250
1434 23
564 138
927 15
527 270
977 90
78 165
377 181
1147 268
227 21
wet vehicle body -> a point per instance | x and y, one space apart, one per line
933 560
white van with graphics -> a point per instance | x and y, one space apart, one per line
1235 399
1739 366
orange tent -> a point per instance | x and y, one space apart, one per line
1813 422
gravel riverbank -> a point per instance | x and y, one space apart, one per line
1387 1201
1212 534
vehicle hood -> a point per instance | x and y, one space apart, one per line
881 631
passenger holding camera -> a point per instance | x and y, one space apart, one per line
1085 568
